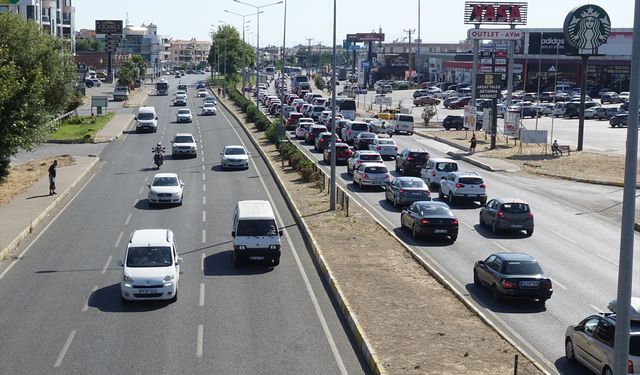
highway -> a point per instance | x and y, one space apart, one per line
576 239
61 309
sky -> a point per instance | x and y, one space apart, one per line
441 20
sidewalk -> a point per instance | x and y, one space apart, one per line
114 128
19 217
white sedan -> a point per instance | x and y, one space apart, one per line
184 115
386 147
165 188
209 109
202 93
301 130
234 157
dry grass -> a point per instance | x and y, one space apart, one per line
22 176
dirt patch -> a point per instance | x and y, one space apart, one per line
415 324
22 176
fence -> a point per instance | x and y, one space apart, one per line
58 120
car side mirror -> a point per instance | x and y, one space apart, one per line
221 153
280 233
481 262
148 185
578 328
179 261
120 262
233 233
135 118
156 117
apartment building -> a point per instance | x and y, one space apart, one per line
189 52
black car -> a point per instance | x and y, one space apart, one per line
507 214
363 140
513 276
619 120
411 161
430 218
405 190
449 100
547 96
456 122
531 111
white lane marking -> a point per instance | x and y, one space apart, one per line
199 341
555 282
204 187
118 240
201 300
467 225
204 235
563 237
146 179
126 222
203 167
305 278
203 159
135 201
204 199
204 216
22 254
202 261
597 309
204 176
502 247
64 349
141 188
86 304
106 265
607 260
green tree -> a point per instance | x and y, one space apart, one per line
37 82
139 62
228 50
89 45
132 69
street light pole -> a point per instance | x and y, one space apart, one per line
284 37
257 8
332 183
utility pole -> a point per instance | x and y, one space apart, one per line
308 53
418 65
410 31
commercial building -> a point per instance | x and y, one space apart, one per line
189 52
56 17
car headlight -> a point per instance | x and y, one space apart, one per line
127 278
169 278
152 193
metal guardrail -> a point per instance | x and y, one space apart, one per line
58 120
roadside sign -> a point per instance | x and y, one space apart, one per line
486 120
511 123
486 69
488 85
493 34
113 36
470 117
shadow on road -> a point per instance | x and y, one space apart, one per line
221 264
482 296
108 299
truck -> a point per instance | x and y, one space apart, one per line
162 88
120 93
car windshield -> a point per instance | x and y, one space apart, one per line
151 256
433 210
521 268
234 151
183 139
370 157
183 112
376 169
515 207
165 181
145 116
412 184
263 227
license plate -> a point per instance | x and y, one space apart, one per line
146 291
416 193
471 195
256 258
530 284
440 231
516 226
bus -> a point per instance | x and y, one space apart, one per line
347 108
270 70
162 88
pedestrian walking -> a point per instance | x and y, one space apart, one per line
472 145
52 177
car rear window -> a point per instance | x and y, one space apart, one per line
634 346
367 135
405 118
359 126
412 184
370 157
342 148
385 142
431 210
318 109
380 169
419 155
471 180
446 167
515 207
521 268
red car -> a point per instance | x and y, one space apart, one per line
323 141
292 121
343 152
460 103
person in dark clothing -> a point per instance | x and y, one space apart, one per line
472 146
52 177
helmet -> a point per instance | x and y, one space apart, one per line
159 144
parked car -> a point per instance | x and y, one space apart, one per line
343 153
463 185
435 169
513 276
590 342
507 214
406 190
619 120
411 161
360 157
384 89
460 103
624 95
371 174
430 218
610 97
603 113
457 122
425 100
547 96
386 147
165 188
363 140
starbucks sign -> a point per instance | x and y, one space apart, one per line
587 27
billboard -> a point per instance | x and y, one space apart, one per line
367 37
549 44
109 27
495 13
470 117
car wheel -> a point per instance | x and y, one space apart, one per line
529 232
494 228
607 371
175 297
450 199
569 351
396 204
483 202
481 220
397 168
446 128
476 279
414 231
237 261
440 195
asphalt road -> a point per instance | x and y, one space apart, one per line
576 239
61 309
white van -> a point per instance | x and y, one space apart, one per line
146 119
403 123
563 87
256 236
559 109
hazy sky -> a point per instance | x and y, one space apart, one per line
441 20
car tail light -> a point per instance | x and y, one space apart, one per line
459 185
483 186
509 284
501 214
364 175
629 366
409 158
454 222
402 191
359 161
424 221
546 284
433 173
349 131
396 148
530 215
378 148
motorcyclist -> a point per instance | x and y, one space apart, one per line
158 151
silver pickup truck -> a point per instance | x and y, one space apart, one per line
120 93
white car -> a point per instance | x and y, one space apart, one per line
209 109
180 99
436 169
210 99
202 93
151 266
165 188
386 147
463 186
624 95
234 157
360 157
184 144
184 115
371 174
302 128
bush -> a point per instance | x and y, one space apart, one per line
262 122
272 132
251 113
319 81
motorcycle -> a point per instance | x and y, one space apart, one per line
158 158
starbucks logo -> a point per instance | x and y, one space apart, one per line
587 27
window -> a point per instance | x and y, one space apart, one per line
521 268
590 325
470 180
152 256
376 170
165 181
515 207
183 139
261 227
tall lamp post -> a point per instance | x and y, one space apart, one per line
257 8
284 37
244 55
332 183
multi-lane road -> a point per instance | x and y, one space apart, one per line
576 239
61 309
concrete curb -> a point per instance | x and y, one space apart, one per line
4 253
356 330
103 139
